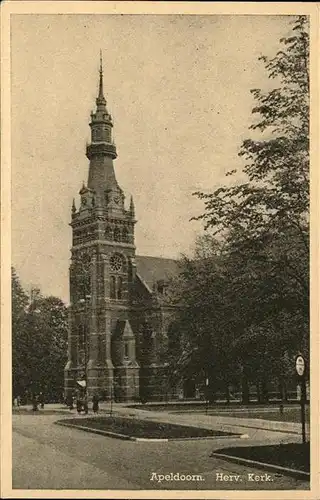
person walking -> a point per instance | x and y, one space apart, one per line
95 403
34 403
79 404
70 401
85 404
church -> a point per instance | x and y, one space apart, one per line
118 319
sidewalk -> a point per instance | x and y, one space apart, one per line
218 422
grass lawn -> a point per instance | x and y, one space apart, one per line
288 415
266 412
292 455
143 429
39 412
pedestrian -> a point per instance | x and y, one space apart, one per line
95 403
79 405
85 404
41 400
70 401
34 403
18 400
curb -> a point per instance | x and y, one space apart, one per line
266 428
97 431
268 425
234 436
149 440
298 474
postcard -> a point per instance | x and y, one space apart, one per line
160 244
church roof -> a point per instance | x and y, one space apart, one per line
154 269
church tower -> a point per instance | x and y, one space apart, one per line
101 344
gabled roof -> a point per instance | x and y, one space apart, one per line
154 269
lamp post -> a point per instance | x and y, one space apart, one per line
207 394
85 302
84 274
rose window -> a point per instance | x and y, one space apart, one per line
116 263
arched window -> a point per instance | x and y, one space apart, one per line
112 287
116 234
108 233
125 235
107 133
126 349
119 288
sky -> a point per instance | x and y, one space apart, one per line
178 88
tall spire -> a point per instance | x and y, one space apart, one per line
101 99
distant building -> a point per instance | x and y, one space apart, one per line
118 320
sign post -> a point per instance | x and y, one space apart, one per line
300 369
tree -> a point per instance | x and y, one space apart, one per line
199 344
39 340
47 328
250 303
276 195
264 222
19 306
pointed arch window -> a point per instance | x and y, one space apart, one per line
126 349
116 234
98 134
107 133
112 287
108 233
125 235
119 287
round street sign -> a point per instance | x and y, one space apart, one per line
300 365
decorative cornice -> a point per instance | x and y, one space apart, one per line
122 220
105 243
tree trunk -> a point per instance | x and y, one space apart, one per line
227 392
258 392
264 390
212 394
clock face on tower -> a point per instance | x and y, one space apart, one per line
116 262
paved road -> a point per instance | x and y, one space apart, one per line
49 456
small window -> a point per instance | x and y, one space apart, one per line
108 233
112 287
119 288
126 349
125 235
116 234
